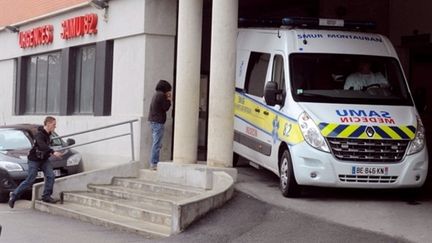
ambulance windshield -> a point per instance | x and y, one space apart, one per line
354 79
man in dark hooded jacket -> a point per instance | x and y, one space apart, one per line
160 104
38 158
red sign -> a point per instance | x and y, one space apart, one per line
37 36
79 26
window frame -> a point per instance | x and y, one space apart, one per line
102 94
76 104
254 58
33 110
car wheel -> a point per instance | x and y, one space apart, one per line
288 184
4 197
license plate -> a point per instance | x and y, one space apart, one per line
40 174
369 170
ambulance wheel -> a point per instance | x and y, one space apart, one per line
288 184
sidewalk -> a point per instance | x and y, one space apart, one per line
243 219
324 215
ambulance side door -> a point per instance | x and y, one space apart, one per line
252 128
274 118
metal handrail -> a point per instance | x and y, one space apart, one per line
103 139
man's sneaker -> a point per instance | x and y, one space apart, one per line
12 199
153 167
50 200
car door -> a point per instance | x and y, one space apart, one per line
252 126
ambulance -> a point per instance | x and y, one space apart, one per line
307 110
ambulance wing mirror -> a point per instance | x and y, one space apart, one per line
272 94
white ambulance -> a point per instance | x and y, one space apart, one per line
326 107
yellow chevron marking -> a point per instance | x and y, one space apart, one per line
407 131
390 132
328 129
263 119
347 131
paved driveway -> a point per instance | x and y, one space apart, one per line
390 212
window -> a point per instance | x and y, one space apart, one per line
43 84
278 73
71 81
256 73
56 141
352 79
14 140
85 80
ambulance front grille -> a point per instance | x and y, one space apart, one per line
368 150
368 179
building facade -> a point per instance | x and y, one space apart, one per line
91 74
90 66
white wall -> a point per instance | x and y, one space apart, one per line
123 20
159 61
144 34
7 74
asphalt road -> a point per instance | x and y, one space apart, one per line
256 213
396 213
243 219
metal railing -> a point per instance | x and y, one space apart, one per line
131 134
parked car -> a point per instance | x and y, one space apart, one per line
15 144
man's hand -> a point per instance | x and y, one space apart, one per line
168 95
57 154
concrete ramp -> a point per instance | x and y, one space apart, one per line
152 203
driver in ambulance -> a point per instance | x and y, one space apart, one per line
364 78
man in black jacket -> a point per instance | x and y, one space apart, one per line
38 158
160 104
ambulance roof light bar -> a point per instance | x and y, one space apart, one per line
307 22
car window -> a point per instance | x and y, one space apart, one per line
347 79
55 141
14 139
256 73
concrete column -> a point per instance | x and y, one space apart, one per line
222 78
187 81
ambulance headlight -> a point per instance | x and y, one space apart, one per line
311 133
419 141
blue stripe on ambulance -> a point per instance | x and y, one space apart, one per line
399 132
357 132
381 132
268 107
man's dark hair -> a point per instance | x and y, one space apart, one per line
163 86
48 119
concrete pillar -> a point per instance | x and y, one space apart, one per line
187 81
222 78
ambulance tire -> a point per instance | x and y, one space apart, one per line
287 184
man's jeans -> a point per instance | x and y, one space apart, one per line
33 166
157 134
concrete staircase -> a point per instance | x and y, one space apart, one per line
143 204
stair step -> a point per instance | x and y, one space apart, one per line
159 187
126 193
101 217
146 174
135 209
